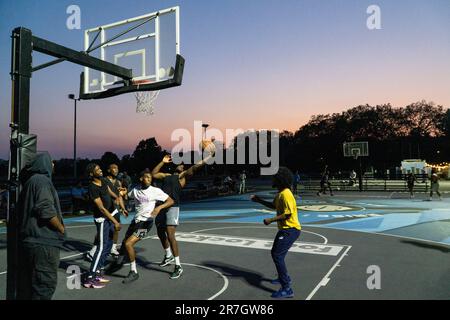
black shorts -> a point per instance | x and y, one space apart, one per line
139 229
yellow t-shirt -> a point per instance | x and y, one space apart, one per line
285 203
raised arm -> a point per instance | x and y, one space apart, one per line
268 204
190 172
159 175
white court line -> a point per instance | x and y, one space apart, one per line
371 204
317 234
326 278
380 234
225 279
82 226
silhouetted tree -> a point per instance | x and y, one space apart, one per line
147 155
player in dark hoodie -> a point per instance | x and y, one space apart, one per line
41 233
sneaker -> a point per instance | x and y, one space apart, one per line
93 283
166 261
115 252
283 293
132 276
176 272
277 281
101 279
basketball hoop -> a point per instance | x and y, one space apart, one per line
356 153
145 100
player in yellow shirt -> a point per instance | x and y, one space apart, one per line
288 227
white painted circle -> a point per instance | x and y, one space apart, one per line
251 227
327 208
225 279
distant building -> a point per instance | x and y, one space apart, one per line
415 166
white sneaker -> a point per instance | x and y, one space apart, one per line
115 252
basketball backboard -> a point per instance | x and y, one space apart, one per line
356 149
149 45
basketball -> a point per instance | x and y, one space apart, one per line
207 146
162 73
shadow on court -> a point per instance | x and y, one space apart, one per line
254 279
442 248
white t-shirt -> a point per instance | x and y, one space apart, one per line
146 200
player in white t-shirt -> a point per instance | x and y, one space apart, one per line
145 197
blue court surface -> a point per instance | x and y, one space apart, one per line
225 251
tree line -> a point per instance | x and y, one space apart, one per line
420 130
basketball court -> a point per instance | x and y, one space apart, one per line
224 246
225 251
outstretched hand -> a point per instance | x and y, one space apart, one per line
167 159
122 191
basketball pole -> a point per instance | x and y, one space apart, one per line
23 144
360 176
21 60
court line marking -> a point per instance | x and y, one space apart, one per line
378 233
334 228
327 278
322 282
222 290
238 227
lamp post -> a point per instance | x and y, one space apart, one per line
72 97
204 125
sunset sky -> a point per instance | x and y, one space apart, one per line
249 64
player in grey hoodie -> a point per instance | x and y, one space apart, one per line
41 231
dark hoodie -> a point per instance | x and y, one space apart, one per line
38 203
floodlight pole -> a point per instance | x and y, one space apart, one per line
72 97
205 126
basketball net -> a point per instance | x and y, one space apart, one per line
145 100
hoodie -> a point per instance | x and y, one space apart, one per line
38 203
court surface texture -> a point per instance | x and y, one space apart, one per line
225 251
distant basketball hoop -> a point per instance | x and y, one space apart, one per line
356 149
